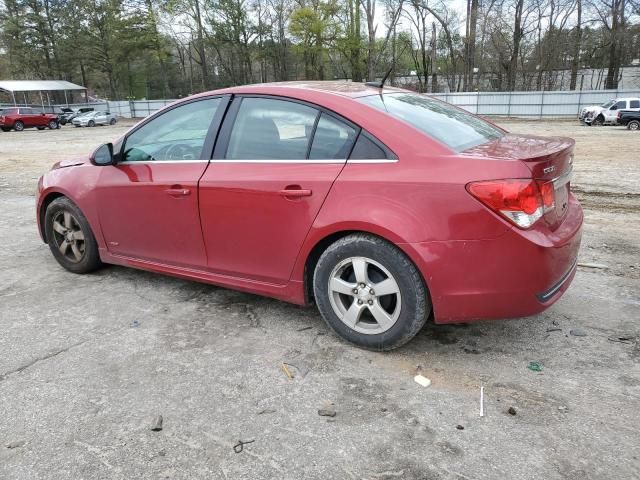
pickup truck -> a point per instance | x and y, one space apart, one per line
630 118
607 112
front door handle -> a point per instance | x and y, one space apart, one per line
295 193
178 192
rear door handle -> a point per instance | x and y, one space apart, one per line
297 193
178 192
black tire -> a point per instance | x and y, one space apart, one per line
18 126
598 121
414 302
53 125
112 121
40 128
91 123
633 125
89 259
6 129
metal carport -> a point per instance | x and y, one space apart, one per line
16 87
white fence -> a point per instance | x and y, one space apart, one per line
532 104
551 104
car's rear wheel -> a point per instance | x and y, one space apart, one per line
18 126
6 129
370 293
53 124
70 238
633 125
91 123
112 121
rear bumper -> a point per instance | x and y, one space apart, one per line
518 274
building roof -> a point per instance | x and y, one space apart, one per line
37 85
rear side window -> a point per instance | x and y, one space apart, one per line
451 126
270 129
333 139
367 148
634 104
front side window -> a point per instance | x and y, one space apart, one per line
333 139
621 105
270 129
177 134
457 129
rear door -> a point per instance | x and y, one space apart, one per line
148 201
267 182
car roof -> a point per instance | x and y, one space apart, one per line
294 89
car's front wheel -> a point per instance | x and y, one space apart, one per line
53 124
91 123
370 293
70 238
18 126
633 125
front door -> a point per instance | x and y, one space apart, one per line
148 201
266 184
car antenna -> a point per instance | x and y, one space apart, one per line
380 84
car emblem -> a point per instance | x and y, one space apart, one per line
549 169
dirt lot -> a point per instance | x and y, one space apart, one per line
86 362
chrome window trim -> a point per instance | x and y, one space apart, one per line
317 161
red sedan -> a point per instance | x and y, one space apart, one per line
20 118
382 206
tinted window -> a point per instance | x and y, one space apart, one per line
178 134
455 128
332 140
268 129
26 111
621 105
368 149
634 104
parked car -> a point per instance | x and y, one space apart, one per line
607 113
19 118
91 119
68 117
382 206
66 114
630 118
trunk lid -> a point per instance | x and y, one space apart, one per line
550 159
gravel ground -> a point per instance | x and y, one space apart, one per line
88 362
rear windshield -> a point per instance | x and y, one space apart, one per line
455 128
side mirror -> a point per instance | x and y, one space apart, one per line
103 155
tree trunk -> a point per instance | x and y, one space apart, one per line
575 61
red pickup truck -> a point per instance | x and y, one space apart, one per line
19 118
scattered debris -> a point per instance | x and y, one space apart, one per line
592 265
563 409
266 410
286 371
304 328
135 323
512 411
628 339
162 453
18 444
459 427
420 380
554 329
555 322
482 401
383 409
298 365
327 412
156 426
576 332
238 447
535 366
474 351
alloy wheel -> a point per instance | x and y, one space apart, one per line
364 295
68 236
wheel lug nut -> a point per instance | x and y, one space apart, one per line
370 302
359 302
362 285
372 292
355 290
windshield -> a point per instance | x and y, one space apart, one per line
608 104
451 126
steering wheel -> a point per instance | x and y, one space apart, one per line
180 151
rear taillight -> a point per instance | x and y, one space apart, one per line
620 114
522 202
